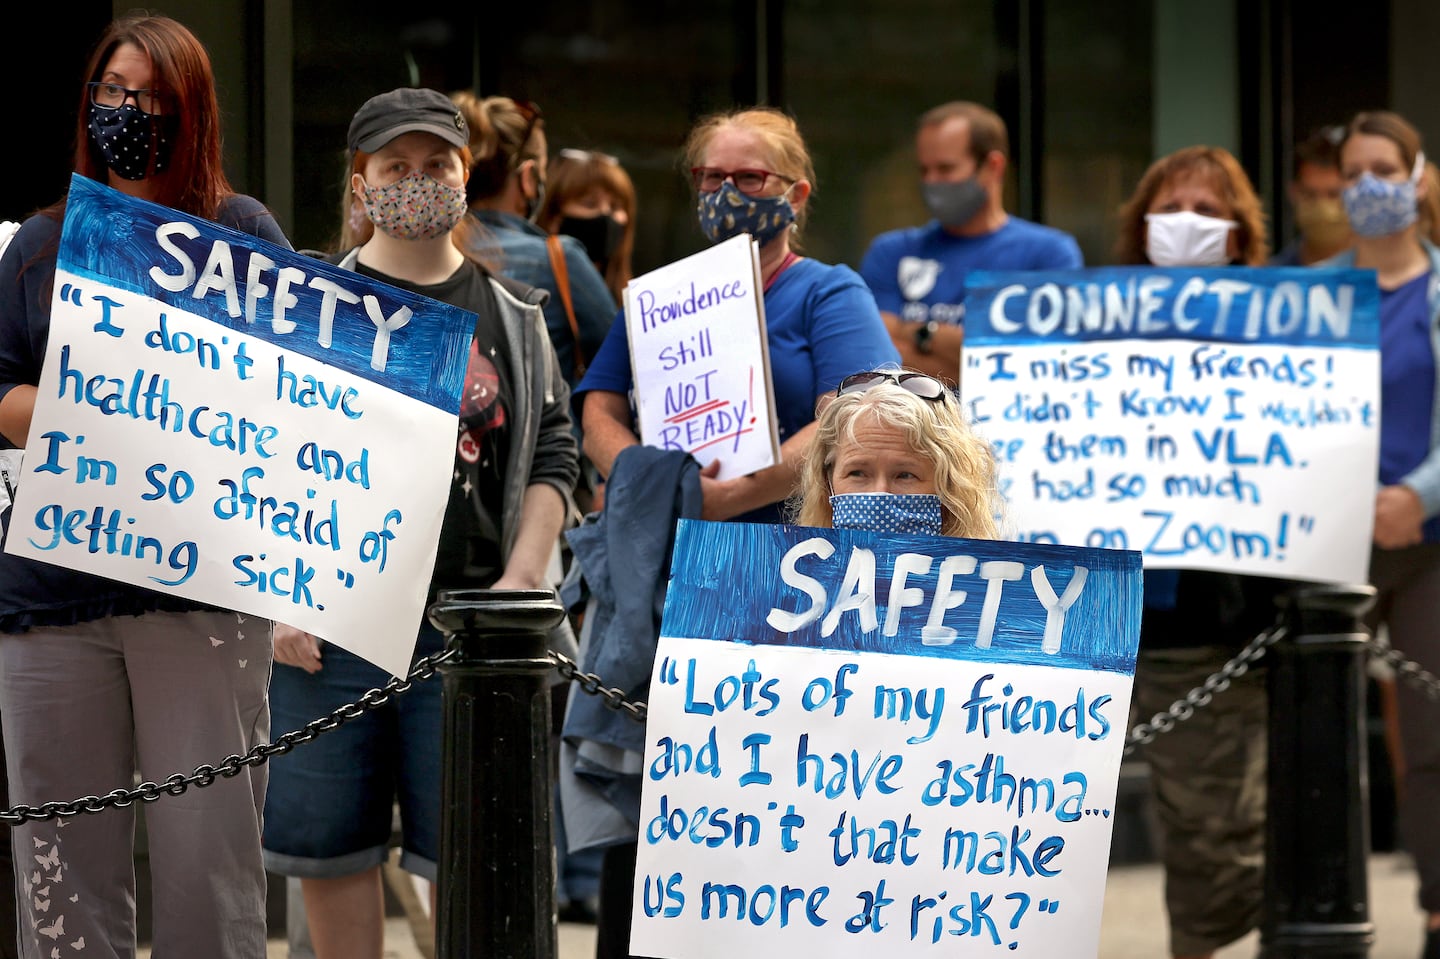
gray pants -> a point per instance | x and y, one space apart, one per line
86 707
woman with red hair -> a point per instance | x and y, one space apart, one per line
99 679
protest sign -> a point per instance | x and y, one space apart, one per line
226 420
1222 419
866 744
701 361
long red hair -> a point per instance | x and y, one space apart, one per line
194 179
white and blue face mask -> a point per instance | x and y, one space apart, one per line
1379 207
888 512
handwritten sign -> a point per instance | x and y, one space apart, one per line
867 744
1222 419
226 420
701 361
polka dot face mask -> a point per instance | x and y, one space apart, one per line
414 207
888 512
126 136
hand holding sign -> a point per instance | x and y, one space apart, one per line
214 419
821 779
1216 419
701 363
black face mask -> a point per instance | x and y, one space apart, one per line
126 135
601 236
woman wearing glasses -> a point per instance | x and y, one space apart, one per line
590 197
507 185
893 452
99 678
753 174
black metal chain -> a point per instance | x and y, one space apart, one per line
1199 697
595 686
204 775
1142 733
1414 675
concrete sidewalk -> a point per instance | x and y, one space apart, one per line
1133 926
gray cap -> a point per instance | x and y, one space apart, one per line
384 117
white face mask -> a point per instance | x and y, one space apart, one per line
1187 239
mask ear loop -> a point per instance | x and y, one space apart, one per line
1418 170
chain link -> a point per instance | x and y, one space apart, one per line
595 686
232 765
1199 697
1415 675
1142 734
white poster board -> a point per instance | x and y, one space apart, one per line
701 360
232 422
1222 419
882 745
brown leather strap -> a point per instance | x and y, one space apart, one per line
562 284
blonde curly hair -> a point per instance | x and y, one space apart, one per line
965 469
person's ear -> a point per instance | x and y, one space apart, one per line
995 165
529 179
799 193
357 186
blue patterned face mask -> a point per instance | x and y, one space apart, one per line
888 512
727 213
1379 207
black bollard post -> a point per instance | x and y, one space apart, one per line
1317 900
496 890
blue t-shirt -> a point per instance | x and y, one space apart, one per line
1407 383
919 273
822 326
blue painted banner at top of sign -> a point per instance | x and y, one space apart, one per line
727 579
1299 306
111 238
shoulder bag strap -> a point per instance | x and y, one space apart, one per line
562 284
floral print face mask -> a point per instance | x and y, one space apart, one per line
414 207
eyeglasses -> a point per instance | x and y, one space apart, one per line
112 95
708 179
924 386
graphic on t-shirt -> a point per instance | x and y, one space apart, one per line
480 408
916 276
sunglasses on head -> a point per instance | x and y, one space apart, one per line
924 386
585 156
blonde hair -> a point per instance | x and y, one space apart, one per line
786 152
965 470
504 133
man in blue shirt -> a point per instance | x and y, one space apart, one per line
918 274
